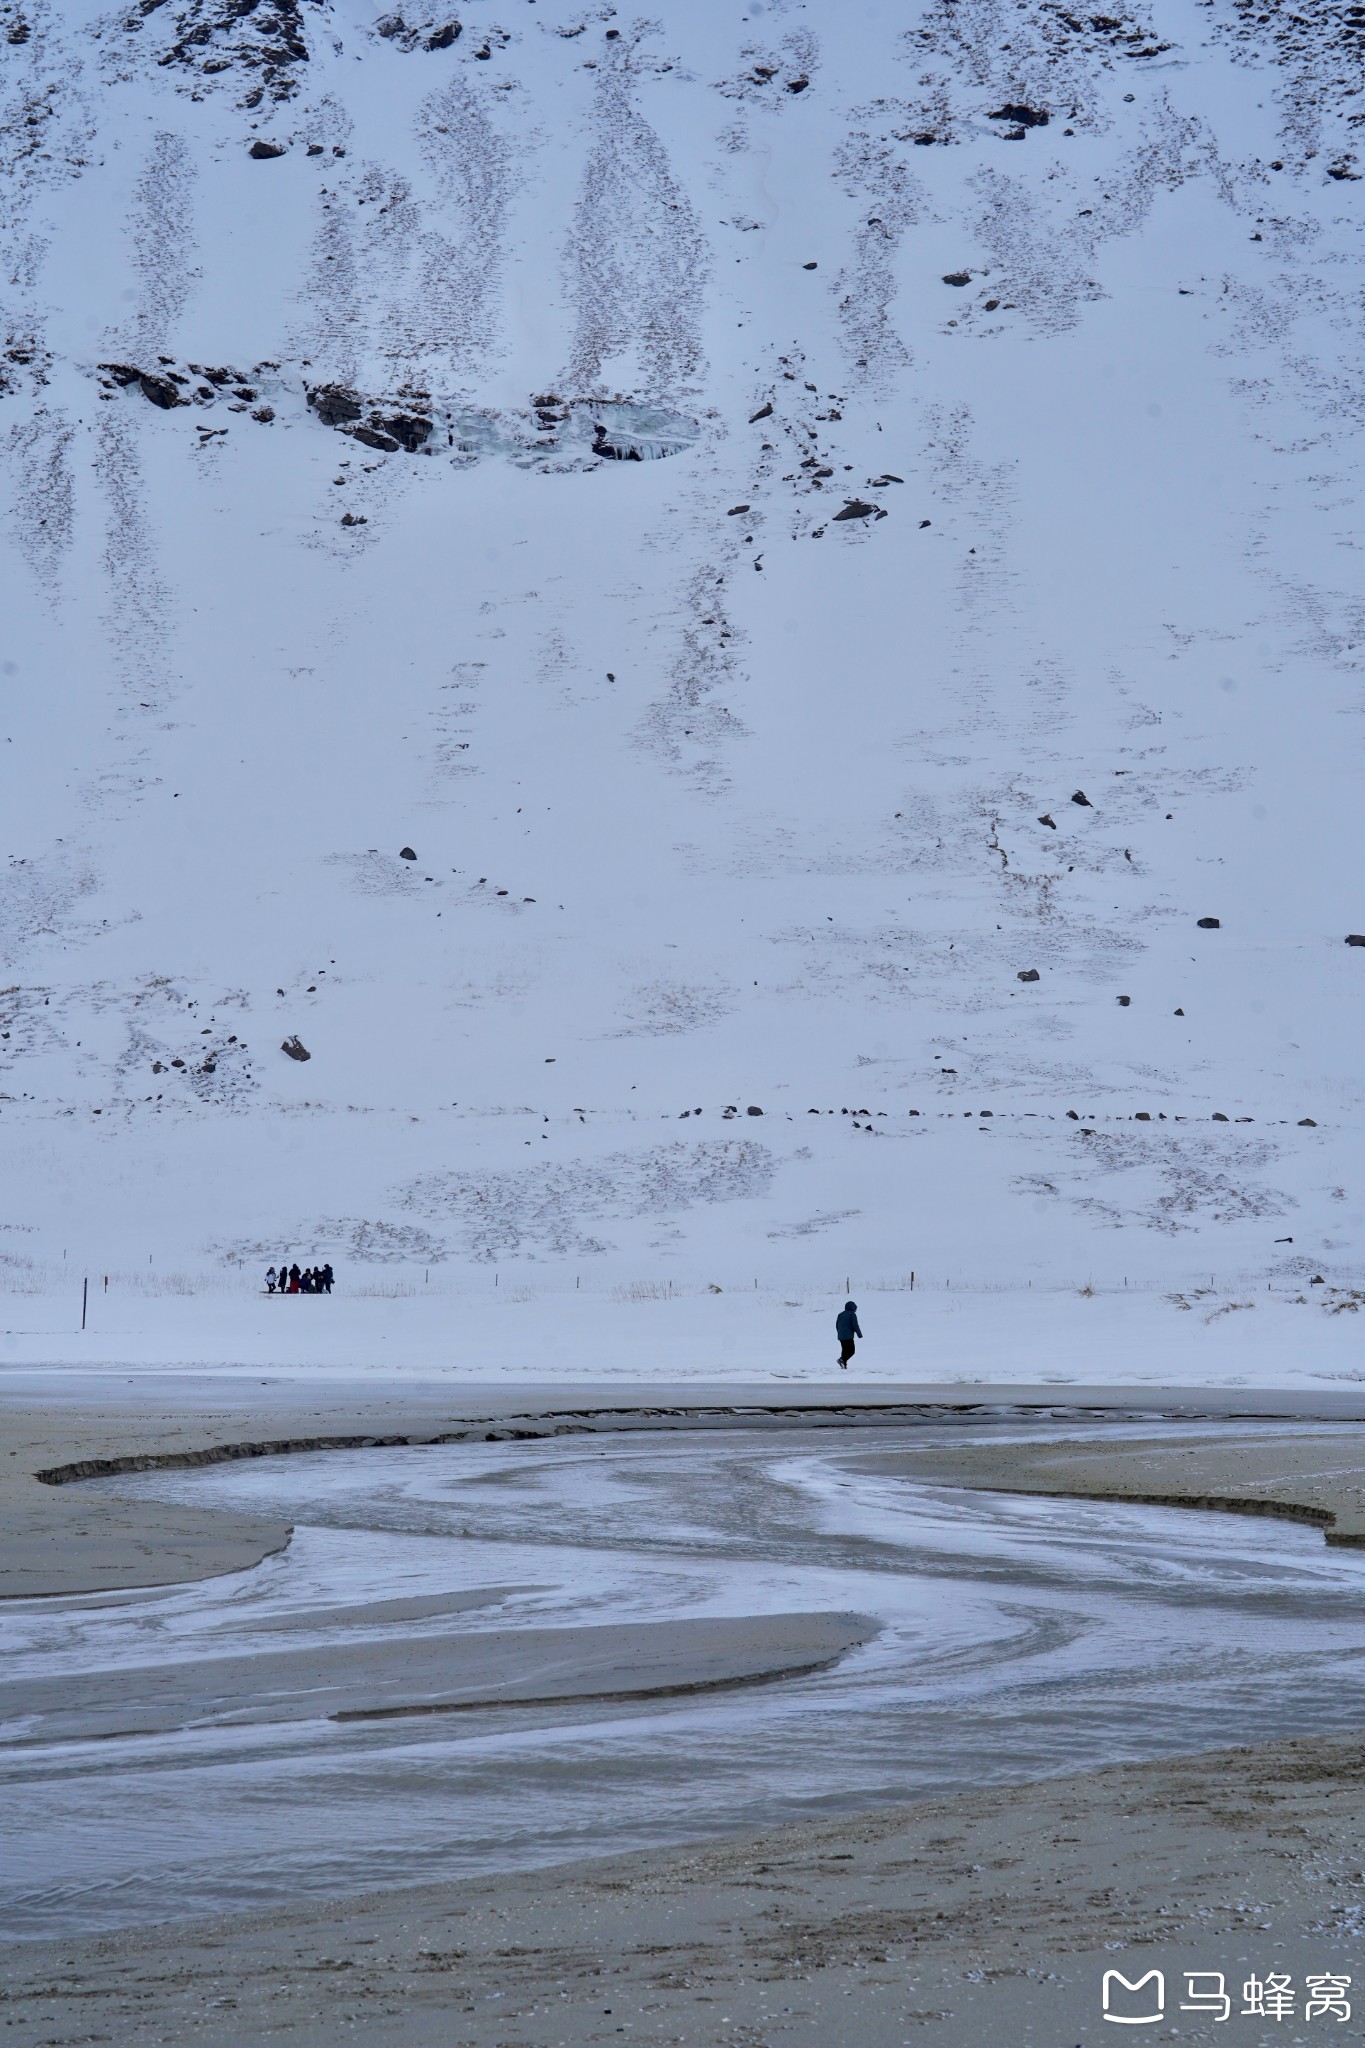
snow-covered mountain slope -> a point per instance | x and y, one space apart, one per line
830 532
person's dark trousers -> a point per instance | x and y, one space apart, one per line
846 1348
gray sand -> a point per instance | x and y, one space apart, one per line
62 1539
426 1674
1307 1477
961 1923
978 1922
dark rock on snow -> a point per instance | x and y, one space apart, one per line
1208 924
334 404
409 429
1080 797
957 277
1048 820
1023 117
603 445
295 1048
406 853
764 412
856 508
1355 938
262 151
161 391
385 443
1027 974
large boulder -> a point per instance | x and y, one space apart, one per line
335 404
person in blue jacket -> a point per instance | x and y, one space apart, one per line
846 1329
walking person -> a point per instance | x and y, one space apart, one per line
846 1329
270 1279
294 1277
327 1278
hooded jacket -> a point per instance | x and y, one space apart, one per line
846 1323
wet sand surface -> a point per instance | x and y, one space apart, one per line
1312 1478
964 1923
60 1539
984 1917
408 1675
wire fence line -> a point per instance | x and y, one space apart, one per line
515 1287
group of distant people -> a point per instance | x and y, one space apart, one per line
296 1280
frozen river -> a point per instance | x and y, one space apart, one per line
1005 1638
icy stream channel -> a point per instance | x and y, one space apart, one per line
1012 1638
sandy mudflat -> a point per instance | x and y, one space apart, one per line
1311 1478
977 1922
61 1538
405 1675
982 1921
57 1537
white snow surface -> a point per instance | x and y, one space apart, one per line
720 804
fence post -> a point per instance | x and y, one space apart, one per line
85 1296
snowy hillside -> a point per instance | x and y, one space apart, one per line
831 534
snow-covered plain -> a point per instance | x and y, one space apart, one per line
720 803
